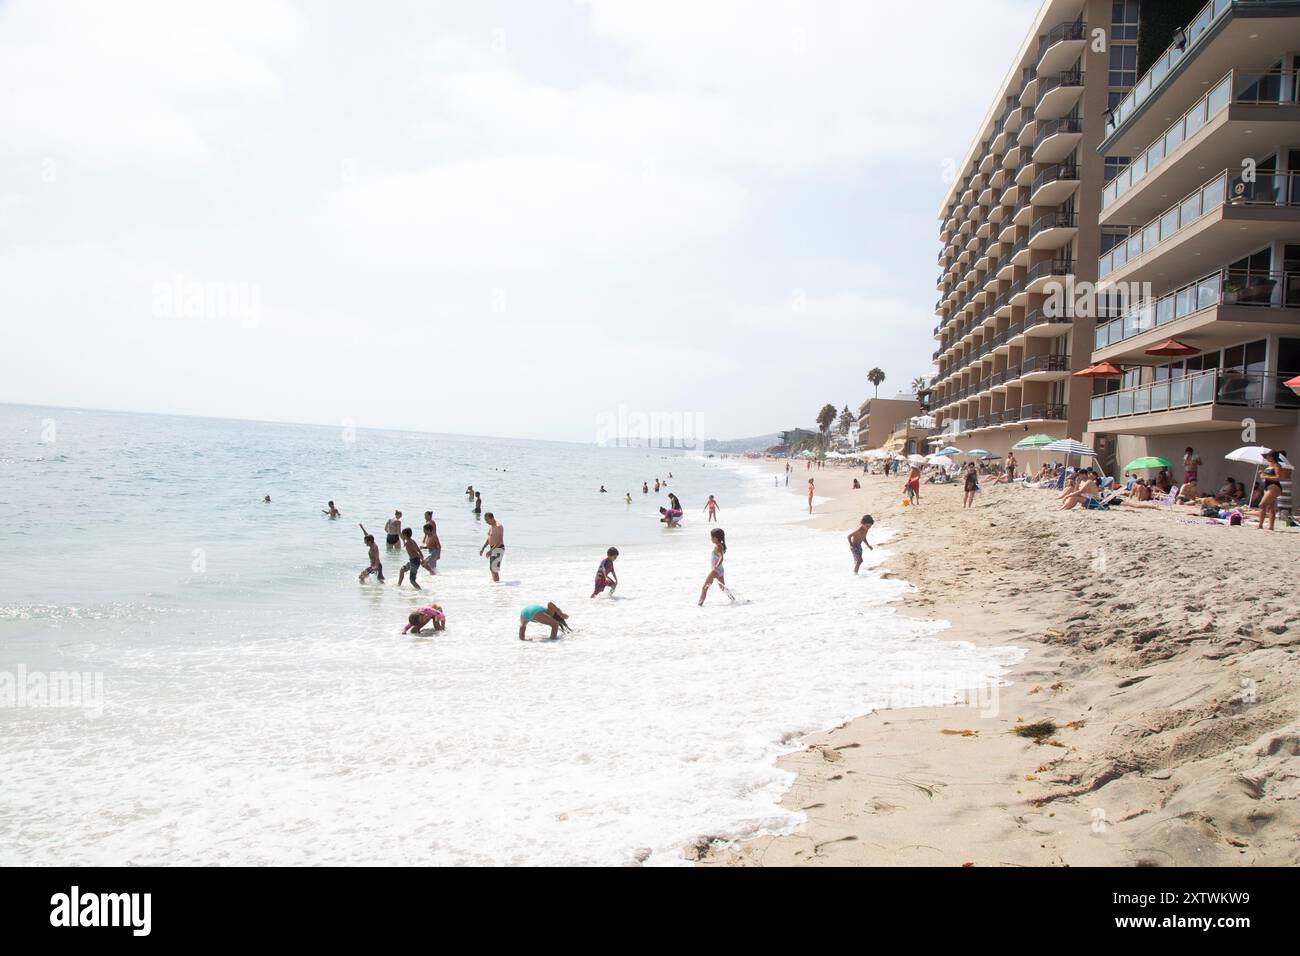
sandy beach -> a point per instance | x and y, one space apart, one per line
1158 704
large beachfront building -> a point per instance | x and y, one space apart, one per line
879 417
1021 220
1202 214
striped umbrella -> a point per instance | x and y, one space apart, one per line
1035 441
1068 447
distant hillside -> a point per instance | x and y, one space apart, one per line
738 446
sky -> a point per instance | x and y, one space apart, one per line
497 218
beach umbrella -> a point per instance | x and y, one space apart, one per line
980 453
1035 441
1172 347
1294 384
1142 464
1068 447
938 460
917 460
950 450
1101 370
1250 455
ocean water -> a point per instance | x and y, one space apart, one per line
246 701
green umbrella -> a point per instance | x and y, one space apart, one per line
1035 441
1141 464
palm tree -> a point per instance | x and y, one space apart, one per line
825 417
876 377
846 420
918 384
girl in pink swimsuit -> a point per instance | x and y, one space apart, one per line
423 617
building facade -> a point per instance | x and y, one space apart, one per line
1021 224
1200 223
879 417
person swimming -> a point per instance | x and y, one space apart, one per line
548 615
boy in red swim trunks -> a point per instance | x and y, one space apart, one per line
605 576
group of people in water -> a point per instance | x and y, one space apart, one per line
424 554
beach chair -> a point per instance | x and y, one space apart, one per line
1168 500
1103 502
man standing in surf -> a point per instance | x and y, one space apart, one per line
495 545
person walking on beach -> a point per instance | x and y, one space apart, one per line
858 538
716 573
393 529
972 487
432 546
332 511
372 548
810 495
1273 475
711 508
548 615
414 562
605 576
914 485
495 545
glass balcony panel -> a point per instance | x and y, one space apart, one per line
1151 235
1159 397
1112 404
1168 224
1203 389
1212 195
1141 400
1207 292
1134 246
1183 302
1190 210
1173 138
1096 408
1195 118
1178 393
1165 312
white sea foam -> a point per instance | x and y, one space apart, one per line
320 735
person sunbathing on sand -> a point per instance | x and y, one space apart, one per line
1088 488
548 615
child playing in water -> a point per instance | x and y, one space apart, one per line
416 559
605 576
373 548
431 544
858 538
719 538
711 507
424 617
547 614
671 517
331 511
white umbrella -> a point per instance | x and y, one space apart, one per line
917 460
1253 455
938 459
1068 446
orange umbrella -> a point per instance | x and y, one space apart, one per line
1294 384
1100 370
1172 347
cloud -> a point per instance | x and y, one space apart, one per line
142 82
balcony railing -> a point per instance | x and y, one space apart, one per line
1211 387
1046 128
1043 412
1229 187
1254 89
1060 172
1050 267
1045 363
1068 78
1070 30
1232 287
1160 70
1055 220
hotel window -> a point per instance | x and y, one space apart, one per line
1114 166
1124 19
1123 65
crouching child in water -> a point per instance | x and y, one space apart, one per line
424 617
547 614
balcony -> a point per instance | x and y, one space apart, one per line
1209 135
1039 324
1045 368
1215 311
1057 95
1245 32
1054 185
1043 412
1258 211
1004 378
1056 139
1053 230
1060 46
1045 273
1200 401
